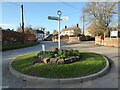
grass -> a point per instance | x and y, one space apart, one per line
17 46
90 63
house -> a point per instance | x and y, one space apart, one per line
55 38
88 30
71 31
62 38
68 34
49 37
39 35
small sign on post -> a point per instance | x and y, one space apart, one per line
43 47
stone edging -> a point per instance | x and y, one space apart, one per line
59 80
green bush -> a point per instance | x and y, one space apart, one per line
62 53
63 56
17 46
47 56
41 53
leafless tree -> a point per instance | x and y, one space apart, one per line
27 29
101 14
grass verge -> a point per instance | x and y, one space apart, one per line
90 63
17 46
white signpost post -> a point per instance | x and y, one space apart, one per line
58 19
43 47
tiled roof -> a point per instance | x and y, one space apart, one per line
89 28
71 28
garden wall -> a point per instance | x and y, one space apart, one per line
71 38
74 39
114 42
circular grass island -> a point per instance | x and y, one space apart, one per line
59 64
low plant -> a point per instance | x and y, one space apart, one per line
17 46
62 53
90 63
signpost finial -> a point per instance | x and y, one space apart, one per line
59 12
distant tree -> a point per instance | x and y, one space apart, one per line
27 29
19 29
48 32
95 31
0 27
39 28
12 29
42 28
100 14
55 32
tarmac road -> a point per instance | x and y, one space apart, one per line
110 80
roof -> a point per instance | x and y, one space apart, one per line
71 28
49 36
90 27
39 31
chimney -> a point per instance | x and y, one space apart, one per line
65 27
77 25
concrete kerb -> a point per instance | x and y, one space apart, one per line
59 80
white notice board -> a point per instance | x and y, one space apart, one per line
114 33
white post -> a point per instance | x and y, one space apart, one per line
59 14
43 47
59 32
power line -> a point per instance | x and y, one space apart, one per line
13 3
70 6
73 13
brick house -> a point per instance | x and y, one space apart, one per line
88 30
69 34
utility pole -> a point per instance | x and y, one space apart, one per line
22 19
83 22
22 22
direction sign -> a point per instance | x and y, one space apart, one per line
57 18
53 18
64 18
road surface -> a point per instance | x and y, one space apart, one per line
110 80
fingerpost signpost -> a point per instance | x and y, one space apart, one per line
59 18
